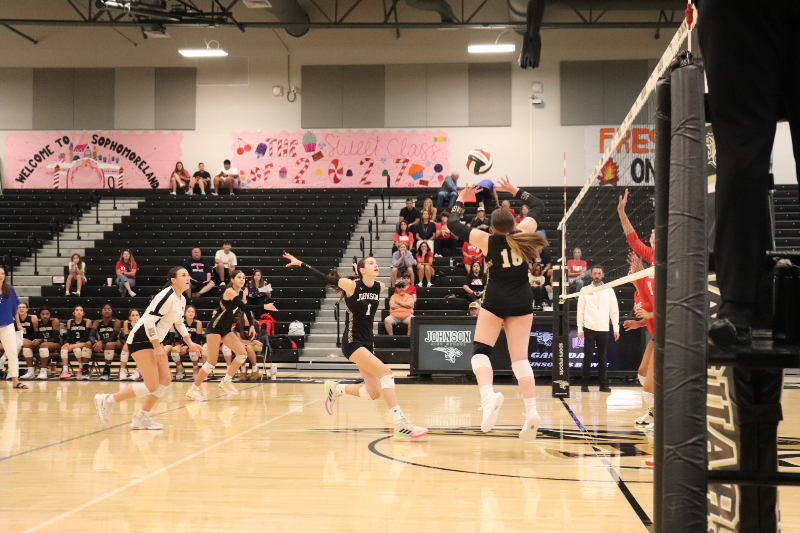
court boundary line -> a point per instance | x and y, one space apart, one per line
140 480
632 501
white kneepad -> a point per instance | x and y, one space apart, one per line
522 369
87 353
207 367
480 360
123 356
362 392
241 358
387 381
193 356
160 390
140 389
78 352
226 351
176 357
108 355
44 353
64 353
27 353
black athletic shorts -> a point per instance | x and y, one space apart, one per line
349 348
505 311
137 346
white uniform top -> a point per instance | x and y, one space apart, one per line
165 311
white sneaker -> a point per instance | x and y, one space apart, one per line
228 387
430 284
123 375
28 375
194 393
331 396
491 410
131 294
645 419
103 404
530 427
419 284
42 373
406 430
142 420
135 375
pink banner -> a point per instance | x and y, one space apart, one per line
343 158
87 159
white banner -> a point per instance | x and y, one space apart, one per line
632 163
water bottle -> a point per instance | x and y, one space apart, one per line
273 370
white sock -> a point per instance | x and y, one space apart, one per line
486 391
649 399
340 388
641 379
397 414
530 405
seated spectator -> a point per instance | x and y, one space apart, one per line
225 177
126 273
401 309
545 260
30 342
127 326
537 281
404 236
77 273
523 212
427 205
410 288
424 264
480 221
259 290
49 331
105 338
200 273
471 254
402 261
79 343
446 242
474 308
179 179
447 195
486 193
226 262
409 213
195 329
475 283
200 181
424 230
507 206
576 271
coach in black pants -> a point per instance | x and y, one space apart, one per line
751 54
596 309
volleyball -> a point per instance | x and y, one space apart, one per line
479 161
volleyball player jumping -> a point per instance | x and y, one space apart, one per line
507 299
362 297
144 342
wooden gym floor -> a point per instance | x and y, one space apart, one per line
270 459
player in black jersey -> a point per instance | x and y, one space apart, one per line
78 342
30 341
219 331
362 297
49 331
195 329
507 299
105 338
124 355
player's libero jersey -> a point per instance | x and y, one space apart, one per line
508 284
361 308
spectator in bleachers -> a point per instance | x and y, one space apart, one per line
49 331
179 179
105 338
537 281
447 195
507 206
126 268
401 309
523 212
446 242
410 288
259 291
471 254
545 260
424 264
402 261
409 213
78 342
201 179
30 341
576 271
127 326
77 273
424 230
226 176
403 235
486 193
199 269
475 283
226 262
474 308
427 205
480 221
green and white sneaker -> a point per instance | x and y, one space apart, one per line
332 395
406 430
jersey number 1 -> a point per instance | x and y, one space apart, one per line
516 260
369 308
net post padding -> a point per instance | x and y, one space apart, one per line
560 343
662 127
683 503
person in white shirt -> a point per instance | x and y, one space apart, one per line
226 176
596 308
225 263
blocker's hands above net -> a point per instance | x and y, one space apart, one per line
635 263
293 261
505 185
623 202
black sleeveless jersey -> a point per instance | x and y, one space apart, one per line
27 328
47 333
361 308
78 332
223 321
106 332
508 284
193 333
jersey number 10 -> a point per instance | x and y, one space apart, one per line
516 260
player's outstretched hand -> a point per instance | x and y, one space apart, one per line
635 263
505 185
623 202
293 261
468 192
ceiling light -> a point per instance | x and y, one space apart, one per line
208 51
491 48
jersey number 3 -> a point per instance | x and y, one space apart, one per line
516 260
